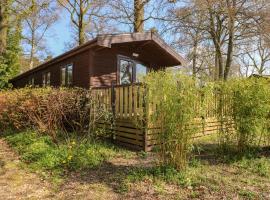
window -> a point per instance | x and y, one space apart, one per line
141 71
63 76
31 81
67 75
130 71
46 79
126 72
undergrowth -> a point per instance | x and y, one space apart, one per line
45 156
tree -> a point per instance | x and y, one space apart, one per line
138 15
222 24
4 15
82 13
188 37
9 60
10 35
40 16
255 56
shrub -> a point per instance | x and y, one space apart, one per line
250 109
49 110
172 98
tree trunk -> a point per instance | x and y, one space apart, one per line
220 64
81 35
231 13
194 58
32 53
3 25
218 60
81 31
138 16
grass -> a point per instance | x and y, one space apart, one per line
56 159
211 173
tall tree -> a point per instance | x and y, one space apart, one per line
81 13
224 25
139 15
9 58
255 55
40 16
4 15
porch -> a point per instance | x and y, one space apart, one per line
131 126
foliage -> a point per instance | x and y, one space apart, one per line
174 111
9 61
250 107
41 153
49 110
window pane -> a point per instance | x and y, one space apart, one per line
141 71
48 81
69 74
63 76
125 72
31 82
43 79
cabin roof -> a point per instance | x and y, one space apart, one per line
167 55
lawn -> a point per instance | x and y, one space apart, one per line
79 168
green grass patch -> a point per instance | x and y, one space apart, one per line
259 166
43 155
159 175
247 194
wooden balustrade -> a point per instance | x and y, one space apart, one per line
131 111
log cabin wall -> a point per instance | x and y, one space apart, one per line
81 72
105 70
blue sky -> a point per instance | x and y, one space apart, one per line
60 33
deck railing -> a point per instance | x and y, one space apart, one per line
131 111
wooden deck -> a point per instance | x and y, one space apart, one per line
131 112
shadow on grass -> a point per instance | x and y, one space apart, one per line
108 174
215 154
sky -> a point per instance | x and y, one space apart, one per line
60 34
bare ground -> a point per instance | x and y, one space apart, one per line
216 181
16 183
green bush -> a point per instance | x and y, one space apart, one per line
250 103
172 99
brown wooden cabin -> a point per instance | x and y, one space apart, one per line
106 60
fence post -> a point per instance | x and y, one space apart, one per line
113 99
145 105
113 110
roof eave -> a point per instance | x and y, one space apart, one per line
59 58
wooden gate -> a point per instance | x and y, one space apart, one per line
127 105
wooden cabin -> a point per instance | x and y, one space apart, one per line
108 59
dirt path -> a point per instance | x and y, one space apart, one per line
102 183
16 183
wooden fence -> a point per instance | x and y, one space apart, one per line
131 113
